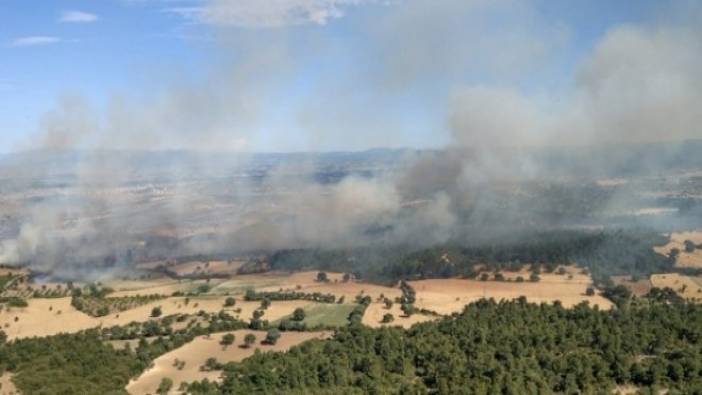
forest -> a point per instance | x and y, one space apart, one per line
602 253
493 348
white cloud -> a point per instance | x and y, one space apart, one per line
78 17
33 41
268 13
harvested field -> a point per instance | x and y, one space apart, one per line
303 282
163 286
204 268
686 286
376 310
447 296
38 320
685 259
638 288
6 385
195 353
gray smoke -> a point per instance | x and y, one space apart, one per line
117 200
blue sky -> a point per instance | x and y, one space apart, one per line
279 75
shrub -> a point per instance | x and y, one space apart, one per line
156 312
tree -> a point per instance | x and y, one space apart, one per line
408 309
156 312
299 314
272 336
249 340
165 386
347 277
388 303
227 339
534 278
590 291
388 318
229 302
322 277
689 246
265 303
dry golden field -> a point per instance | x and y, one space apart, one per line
447 296
46 317
638 288
195 353
685 259
375 312
686 286
6 385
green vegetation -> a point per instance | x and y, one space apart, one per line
69 364
602 253
165 386
299 314
249 340
227 339
13 301
252 295
6 280
319 316
272 336
229 302
98 306
494 348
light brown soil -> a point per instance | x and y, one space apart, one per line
212 267
38 320
685 259
304 282
375 312
6 385
686 286
195 353
638 288
163 286
447 296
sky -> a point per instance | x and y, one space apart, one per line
320 75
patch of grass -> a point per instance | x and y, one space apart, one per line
5 280
327 315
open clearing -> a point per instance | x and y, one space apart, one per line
686 286
195 353
6 385
685 259
449 296
204 268
46 317
638 288
376 310
327 314
163 286
303 282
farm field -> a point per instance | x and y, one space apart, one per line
46 317
686 286
196 353
376 310
685 259
447 296
6 385
639 288
162 286
205 268
326 314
